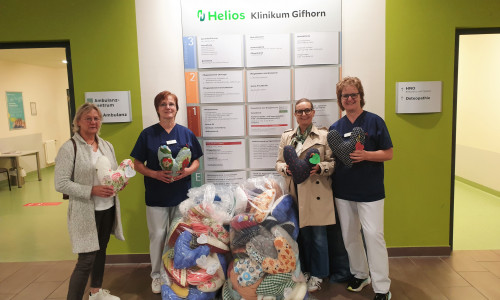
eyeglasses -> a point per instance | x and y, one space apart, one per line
96 119
353 96
167 104
306 111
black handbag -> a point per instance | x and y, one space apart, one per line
66 196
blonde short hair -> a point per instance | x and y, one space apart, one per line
84 109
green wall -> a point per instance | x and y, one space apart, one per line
420 46
103 39
420 37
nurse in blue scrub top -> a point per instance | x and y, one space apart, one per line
359 191
164 191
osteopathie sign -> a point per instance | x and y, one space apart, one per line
418 97
115 106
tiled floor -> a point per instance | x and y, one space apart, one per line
465 275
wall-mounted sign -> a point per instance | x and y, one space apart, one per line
418 97
115 106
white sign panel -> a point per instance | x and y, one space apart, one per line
263 153
220 51
221 86
269 85
268 50
316 48
225 178
268 119
223 121
115 106
418 97
316 83
221 155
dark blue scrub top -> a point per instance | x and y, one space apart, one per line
364 181
145 150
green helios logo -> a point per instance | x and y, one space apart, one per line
227 15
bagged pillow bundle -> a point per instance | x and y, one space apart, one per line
195 252
265 262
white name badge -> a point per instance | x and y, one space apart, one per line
348 134
171 142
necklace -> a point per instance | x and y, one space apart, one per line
91 143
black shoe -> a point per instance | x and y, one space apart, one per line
356 284
379 296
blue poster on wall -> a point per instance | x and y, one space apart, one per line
15 110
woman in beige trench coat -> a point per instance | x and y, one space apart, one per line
314 196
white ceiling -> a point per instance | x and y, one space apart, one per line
45 57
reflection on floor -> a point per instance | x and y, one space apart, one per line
477 222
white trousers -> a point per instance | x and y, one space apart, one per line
159 219
368 216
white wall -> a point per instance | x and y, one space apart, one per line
47 88
161 62
478 106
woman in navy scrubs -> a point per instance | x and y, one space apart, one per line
359 191
164 191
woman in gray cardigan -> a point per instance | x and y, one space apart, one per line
94 209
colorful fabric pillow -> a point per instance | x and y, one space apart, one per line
291 228
261 247
281 207
274 285
179 290
261 205
214 244
228 293
342 149
298 292
278 231
118 178
239 238
248 272
300 168
285 262
242 221
246 292
176 228
169 163
195 294
168 294
179 276
184 255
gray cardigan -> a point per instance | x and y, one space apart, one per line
81 214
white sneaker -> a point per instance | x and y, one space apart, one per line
156 285
314 284
103 295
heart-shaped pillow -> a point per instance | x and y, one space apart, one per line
185 256
118 178
300 168
169 163
341 149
